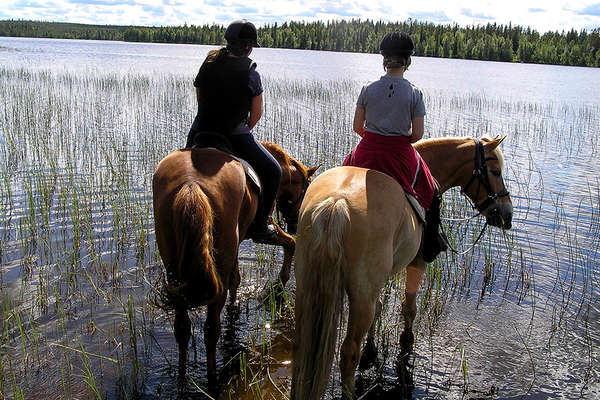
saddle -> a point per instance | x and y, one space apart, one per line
204 140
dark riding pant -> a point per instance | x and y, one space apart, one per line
265 165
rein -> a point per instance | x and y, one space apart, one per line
480 174
461 253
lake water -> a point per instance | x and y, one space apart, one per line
106 112
517 82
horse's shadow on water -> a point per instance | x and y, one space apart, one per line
231 344
195 385
399 385
370 383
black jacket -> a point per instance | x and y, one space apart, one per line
225 97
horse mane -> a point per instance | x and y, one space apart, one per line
464 140
284 159
433 142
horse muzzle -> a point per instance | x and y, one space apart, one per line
291 227
500 215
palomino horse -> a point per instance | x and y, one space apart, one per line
203 207
356 229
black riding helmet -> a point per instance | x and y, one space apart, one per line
242 31
396 44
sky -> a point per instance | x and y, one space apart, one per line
541 15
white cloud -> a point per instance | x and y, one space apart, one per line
542 15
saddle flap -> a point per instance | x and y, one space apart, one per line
251 175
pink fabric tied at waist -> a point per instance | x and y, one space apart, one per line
395 156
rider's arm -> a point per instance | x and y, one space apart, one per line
198 95
255 111
418 126
359 120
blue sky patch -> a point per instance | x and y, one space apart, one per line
308 13
469 13
101 2
246 10
154 10
28 4
436 16
593 10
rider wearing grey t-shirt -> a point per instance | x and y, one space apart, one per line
390 105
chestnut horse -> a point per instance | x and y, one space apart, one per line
356 229
203 207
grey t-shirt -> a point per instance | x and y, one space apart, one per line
390 105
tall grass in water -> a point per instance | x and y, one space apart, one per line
76 159
78 260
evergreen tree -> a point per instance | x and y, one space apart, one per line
490 42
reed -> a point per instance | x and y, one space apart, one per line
78 261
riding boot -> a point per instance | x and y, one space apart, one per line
434 241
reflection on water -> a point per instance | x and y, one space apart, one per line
516 318
509 81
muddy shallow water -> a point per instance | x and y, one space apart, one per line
517 317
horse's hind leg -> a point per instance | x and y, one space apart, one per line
369 353
234 282
212 331
361 315
414 275
183 332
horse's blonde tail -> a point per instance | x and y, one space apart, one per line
319 297
197 279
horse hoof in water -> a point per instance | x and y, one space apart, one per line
407 339
369 356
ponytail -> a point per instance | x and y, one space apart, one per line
216 55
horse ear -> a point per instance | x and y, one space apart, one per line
312 170
495 142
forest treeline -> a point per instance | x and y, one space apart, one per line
491 42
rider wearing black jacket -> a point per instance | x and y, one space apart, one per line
229 93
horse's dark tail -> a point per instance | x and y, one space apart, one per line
197 281
320 261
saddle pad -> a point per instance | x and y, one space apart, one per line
418 208
394 156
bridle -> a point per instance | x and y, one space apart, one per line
480 174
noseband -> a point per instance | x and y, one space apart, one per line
480 173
